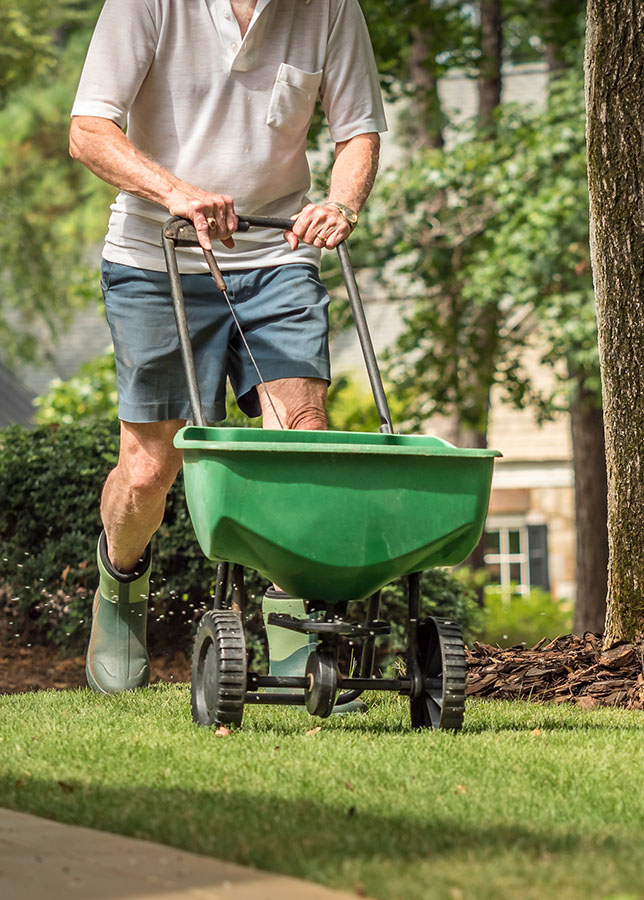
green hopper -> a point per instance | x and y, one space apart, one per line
333 516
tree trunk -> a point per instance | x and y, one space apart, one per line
615 132
554 49
589 461
427 121
489 80
489 87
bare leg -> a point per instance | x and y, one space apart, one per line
298 401
133 500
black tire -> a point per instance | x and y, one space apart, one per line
219 669
441 658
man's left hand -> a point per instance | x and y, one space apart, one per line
322 226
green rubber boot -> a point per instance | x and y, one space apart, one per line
288 651
117 657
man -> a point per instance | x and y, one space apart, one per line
217 97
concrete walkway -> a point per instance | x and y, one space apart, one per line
44 860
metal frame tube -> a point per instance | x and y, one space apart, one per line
185 345
365 339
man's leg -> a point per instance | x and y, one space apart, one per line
299 402
133 500
132 508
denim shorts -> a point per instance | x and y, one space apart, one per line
283 311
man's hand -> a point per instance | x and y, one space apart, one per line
213 215
352 177
107 152
322 226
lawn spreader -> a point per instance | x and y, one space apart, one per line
330 517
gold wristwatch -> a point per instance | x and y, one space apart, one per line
349 214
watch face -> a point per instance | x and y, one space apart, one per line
348 214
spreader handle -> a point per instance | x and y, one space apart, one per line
179 232
182 232
246 222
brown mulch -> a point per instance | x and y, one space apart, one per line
569 668
36 668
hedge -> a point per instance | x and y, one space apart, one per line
50 484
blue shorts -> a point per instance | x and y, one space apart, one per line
283 311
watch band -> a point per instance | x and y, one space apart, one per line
349 214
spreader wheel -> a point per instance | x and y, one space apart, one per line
441 658
219 669
322 675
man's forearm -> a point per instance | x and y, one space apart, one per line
107 152
354 170
352 177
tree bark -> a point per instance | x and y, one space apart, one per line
489 88
489 80
589 462
615 134
427 121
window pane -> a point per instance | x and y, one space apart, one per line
494 572
492 544
515 541
515 572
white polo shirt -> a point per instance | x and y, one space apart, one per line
226 114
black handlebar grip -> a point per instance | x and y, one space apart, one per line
246 222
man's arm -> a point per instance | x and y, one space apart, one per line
107 152
352 177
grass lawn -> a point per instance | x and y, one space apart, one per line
529 801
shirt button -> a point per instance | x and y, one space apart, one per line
226 15
234 47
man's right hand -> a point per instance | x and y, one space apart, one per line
213 215
107 152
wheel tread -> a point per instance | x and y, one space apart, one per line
221 700
453 671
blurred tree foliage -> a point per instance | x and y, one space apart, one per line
52 212
32 34
509 229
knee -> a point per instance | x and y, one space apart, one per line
307 417
149 476
299 402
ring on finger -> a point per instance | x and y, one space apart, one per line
211 222
322 240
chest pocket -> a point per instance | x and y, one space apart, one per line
293 98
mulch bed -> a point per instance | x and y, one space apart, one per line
36 668
567 669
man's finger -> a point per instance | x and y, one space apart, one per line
292 239
203 235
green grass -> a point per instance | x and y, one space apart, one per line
529 801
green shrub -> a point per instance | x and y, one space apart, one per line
524 619
50 484
89 396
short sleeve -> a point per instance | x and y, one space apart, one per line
350 88
119 56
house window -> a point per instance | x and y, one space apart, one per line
516 556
